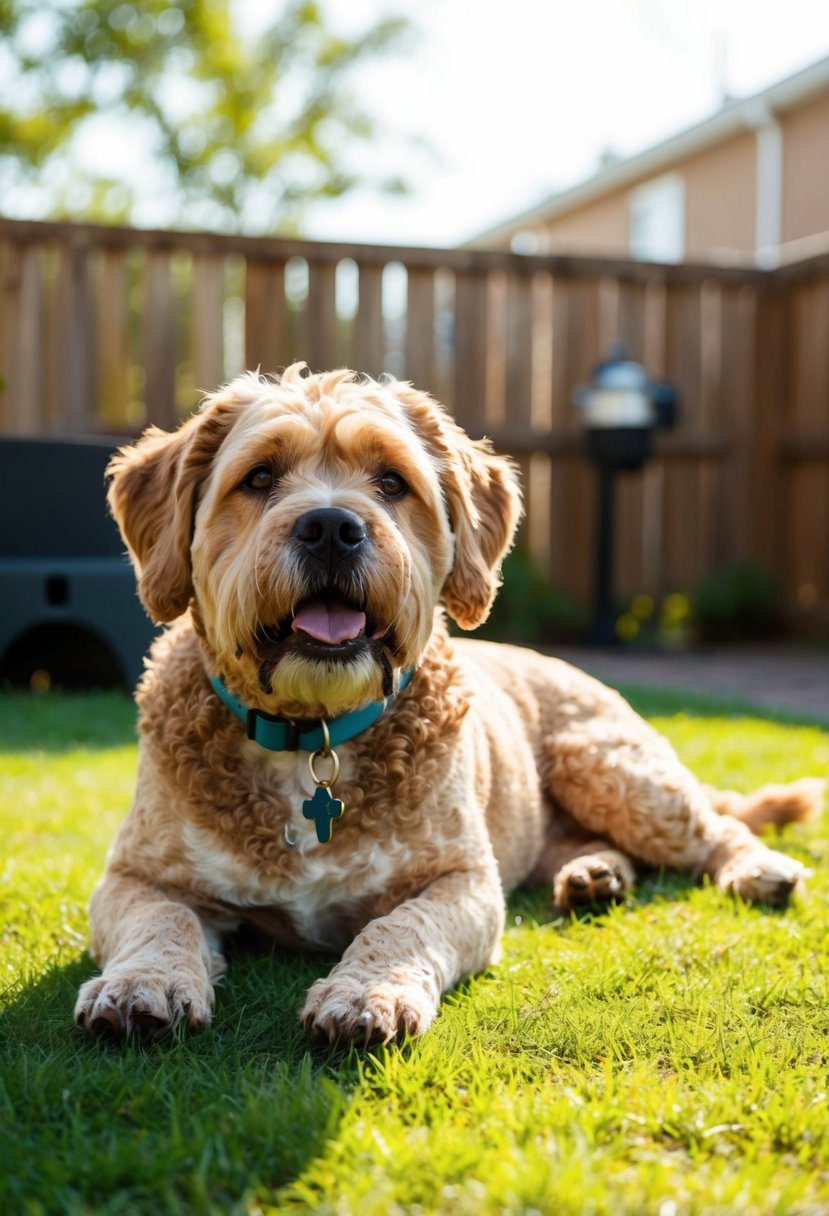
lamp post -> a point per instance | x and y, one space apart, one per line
622 407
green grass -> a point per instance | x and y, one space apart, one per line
672 1051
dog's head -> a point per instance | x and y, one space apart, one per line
313 523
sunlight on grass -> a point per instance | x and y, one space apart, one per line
671 1051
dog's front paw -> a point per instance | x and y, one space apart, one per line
344 1007
115 1004
761 875
595 878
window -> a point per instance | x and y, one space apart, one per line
657 219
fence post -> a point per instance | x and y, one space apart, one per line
159 340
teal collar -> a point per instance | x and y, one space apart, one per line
283 735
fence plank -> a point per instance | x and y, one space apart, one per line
10 316
208 293
369 335
541 406
534 533
27 413
75 345
682 532
519 350
576 348
469 397
735 411
715 414
420 329
266 317
630 328
807 517
113 338
322 316
806 482
159 340
654 357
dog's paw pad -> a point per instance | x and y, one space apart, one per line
108 1023
149 1020
593 879
343 1008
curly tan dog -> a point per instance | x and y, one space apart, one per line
301 534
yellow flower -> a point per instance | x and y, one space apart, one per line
627 627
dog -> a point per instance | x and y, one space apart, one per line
321 761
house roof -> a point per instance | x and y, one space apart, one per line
735 116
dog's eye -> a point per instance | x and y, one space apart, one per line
392 485
260 478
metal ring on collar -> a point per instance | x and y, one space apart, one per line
327 753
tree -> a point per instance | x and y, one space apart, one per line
233 128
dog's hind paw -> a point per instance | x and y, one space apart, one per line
113 1006
595 878
344 1007
761 875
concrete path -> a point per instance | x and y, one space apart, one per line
796 680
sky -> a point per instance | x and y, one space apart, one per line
517 99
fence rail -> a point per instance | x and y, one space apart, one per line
107 329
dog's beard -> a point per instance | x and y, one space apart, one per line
305 687
278 660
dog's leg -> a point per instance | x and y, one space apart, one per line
158 958
390 979
620 779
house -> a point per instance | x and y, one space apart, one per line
750 184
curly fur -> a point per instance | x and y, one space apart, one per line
494 767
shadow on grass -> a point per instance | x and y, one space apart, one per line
60 722
651 886
198 1121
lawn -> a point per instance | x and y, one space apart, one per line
668 1056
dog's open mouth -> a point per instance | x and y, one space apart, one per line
324 626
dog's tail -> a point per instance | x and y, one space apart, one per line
772 805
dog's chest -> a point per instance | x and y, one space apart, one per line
322 890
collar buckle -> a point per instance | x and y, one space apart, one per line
291 728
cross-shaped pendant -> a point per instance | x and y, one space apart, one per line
322 808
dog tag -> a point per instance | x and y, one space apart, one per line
323 808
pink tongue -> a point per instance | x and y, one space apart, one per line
329 621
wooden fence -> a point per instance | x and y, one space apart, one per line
108 329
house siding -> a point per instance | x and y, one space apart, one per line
599 228
720 208
721 199
806 170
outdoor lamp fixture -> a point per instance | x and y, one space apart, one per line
622 407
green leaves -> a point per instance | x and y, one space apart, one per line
248 124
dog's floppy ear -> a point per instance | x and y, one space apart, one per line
484 503
485 507
152 496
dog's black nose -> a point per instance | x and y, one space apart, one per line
330 534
